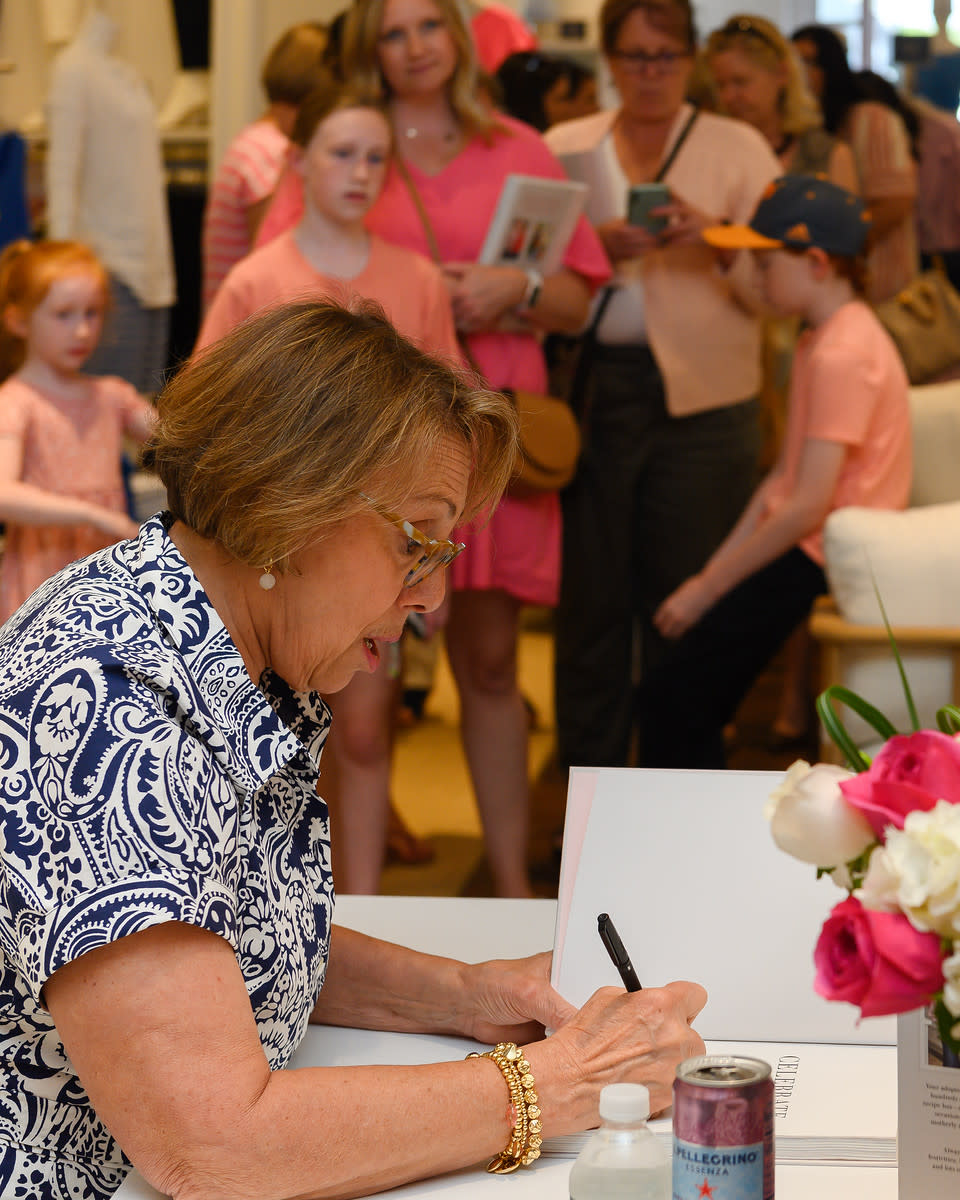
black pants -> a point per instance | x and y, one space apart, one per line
653 497
695 690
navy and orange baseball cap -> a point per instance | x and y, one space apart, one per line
798 212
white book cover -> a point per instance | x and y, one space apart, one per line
532 223
684 863
929 1094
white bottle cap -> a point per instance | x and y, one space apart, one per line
625 1102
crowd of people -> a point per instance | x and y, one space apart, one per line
337 455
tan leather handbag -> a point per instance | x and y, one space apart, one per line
924 321
549 442
549 433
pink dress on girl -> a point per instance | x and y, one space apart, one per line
71 447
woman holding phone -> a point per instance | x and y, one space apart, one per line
671 420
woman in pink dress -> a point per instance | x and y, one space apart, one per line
417 55
61 432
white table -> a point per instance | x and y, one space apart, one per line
474 929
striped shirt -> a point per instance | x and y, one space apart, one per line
881 151
247 174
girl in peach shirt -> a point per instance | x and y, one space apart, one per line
343 149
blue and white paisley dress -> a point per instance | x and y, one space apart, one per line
143 778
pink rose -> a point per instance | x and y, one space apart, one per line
912 771
876 960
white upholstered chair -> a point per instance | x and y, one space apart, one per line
912 559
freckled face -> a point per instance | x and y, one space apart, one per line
331 616
344 163
64 328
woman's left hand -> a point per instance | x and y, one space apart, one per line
512 1000
683 608
480 294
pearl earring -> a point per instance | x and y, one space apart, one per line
268 580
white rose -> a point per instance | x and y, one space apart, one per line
881 884
810 819
924 859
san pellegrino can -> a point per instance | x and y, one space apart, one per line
723 1129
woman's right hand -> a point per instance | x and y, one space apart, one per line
621 240
617 1037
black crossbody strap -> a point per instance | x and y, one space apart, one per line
578 385
676 147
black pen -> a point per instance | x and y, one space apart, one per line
618 955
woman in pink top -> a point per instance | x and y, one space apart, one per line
61 431
343 146
417 54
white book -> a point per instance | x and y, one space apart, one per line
533 223
684 863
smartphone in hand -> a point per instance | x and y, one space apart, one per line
641 198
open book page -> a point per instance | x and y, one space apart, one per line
832 1103
684 863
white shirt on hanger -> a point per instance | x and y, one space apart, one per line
105 181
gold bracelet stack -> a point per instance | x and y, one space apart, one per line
524 1145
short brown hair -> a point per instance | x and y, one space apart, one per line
293 66
673 17
266 440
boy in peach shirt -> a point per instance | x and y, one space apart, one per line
847 442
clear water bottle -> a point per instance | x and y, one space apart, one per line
623 1160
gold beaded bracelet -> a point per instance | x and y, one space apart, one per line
526 1140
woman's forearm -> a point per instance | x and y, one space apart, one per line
371 984
340 1132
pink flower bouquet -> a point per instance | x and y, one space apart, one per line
888 833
